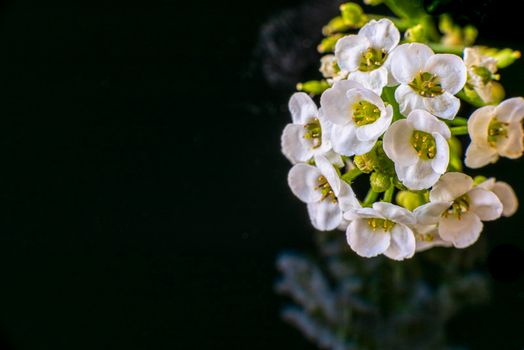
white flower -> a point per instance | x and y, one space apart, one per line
496 131
366 55
418 147
326 195
427 237
458 209
330 69
481 72
428 81
308 135
505 193
383 229
358 115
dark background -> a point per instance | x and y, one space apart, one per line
142 187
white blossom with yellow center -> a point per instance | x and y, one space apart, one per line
496 131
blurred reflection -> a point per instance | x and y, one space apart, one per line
342 301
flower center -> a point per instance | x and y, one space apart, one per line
381 224
459 207
365 113
484 74
424 144
325 188
372 59
313 132
496 129
426 85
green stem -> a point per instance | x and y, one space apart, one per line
459 130
441 48
458 121
388 195
371 198
474 102
351 175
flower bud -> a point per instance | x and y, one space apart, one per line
379 182
353 14
336 25
328 44
477 180
410 200
313 87
416 34
365 162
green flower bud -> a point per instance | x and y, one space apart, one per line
455 147
328 44
497 92
470 35
504 57
379 182
365 162
416 34
313 87
455 164
410 200
336 25
353 15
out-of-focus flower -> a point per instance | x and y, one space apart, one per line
326 195
308 134
496 131
458 209
482 71
428 81
505 193
330 69
366 55
358 115
418 147
382 229
427 237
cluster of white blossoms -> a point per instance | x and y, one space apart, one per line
390 111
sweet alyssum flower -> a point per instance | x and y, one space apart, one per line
428 81
308 134
330 69
359 117
427 236
382 229
505 193
326 195
458 208
418 147
366 55
496 131
481 72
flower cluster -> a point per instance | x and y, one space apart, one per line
388 108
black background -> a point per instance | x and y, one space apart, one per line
142 187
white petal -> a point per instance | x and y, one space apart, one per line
478 156
429 213
418 176
366 242
302 108
349 50
294 146
355 95
407 60
395 213
485 204
336 107
510 110
441 160
450 69
347 199
450 186
425 121
373 131
478 124
381 34
461 232
303 180
325 215
344 141
408 100
329 172
402 244
362 213
431 231
444 106
512 146
374 80
397 144
335 159
507 196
